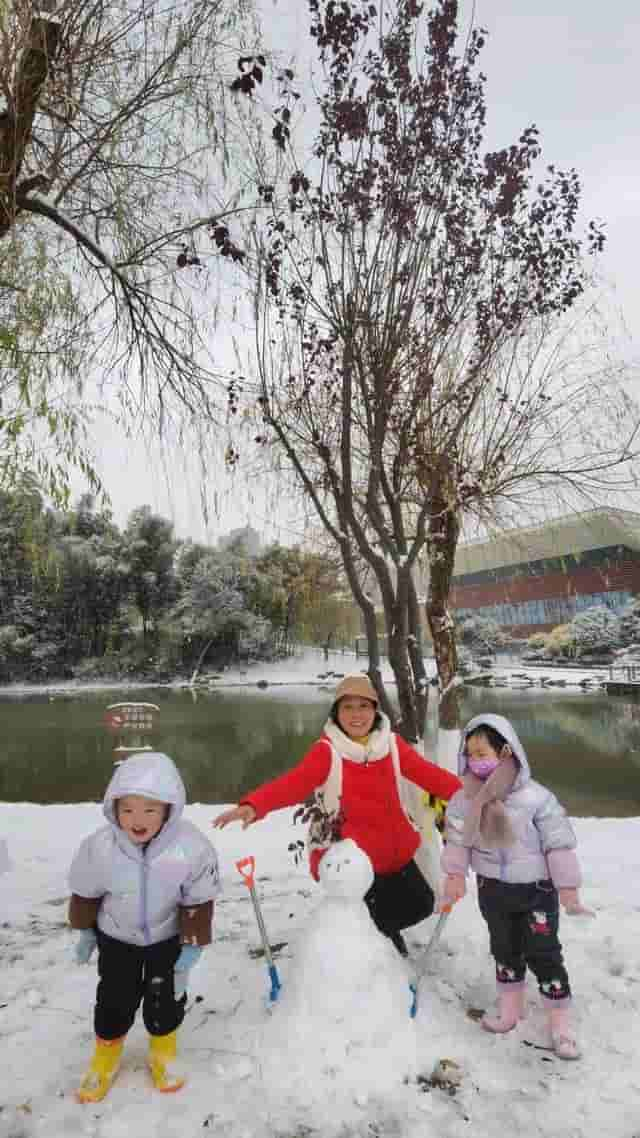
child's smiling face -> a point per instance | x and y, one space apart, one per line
141 818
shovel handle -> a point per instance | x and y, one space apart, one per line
246 868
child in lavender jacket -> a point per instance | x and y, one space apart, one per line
143 889
515 835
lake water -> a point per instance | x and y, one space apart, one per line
53 748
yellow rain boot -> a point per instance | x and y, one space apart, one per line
102 1070
162 1063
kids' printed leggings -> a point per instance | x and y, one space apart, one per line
523 931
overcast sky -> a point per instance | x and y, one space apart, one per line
571 67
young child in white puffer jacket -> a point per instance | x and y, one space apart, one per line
143 889
515 835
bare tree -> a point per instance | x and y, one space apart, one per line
404 283
116 154
551 425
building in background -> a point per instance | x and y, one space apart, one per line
533 579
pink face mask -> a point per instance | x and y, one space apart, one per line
482 768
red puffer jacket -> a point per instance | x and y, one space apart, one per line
370 804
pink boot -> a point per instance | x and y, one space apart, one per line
563 1040
510 1009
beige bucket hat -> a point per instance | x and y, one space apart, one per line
357 685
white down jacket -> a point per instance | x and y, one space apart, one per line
142 888
540 824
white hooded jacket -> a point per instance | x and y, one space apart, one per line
544 837
142 888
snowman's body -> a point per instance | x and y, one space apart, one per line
346 1002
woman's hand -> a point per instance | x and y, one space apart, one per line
245 814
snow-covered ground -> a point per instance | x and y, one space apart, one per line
508 1084
239 1051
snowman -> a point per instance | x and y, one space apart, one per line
344 1010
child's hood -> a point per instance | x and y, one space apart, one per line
151 775
503 726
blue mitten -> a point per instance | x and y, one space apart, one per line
189 955
85 945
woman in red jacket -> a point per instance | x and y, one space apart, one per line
356 771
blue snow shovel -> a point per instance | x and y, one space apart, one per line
247 867
421 966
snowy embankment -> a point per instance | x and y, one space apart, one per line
310 669
238 1070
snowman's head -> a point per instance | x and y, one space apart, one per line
346 871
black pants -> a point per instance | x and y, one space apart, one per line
523 930
398 900
131 974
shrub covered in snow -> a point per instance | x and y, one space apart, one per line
629 635
481 633
561 642
596 630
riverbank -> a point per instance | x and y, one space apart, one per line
310 667
305 667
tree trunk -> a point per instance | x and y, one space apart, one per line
16 122
397 637
201 657
444 529
373 649
416 656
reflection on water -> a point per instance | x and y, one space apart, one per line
585 747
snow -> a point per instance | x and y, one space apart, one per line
239 1053
338 1054
308 668
344 1009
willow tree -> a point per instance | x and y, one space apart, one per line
116 153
